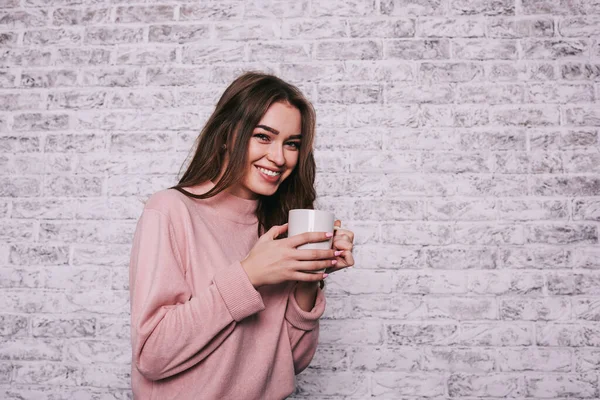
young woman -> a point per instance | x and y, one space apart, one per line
223 304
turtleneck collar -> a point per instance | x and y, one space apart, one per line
227 205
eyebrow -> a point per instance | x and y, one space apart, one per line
276 132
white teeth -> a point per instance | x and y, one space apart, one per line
268 172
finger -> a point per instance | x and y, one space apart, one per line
309 237
345 232
306 254
312 266
276 231
342 245
308 277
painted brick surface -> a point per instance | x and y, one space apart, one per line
457 138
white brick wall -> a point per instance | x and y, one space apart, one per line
458 138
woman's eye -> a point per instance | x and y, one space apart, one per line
295 145
261 136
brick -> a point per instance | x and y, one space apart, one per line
584 115
86 16
419 184
38 254
387 256
411 7
485 233
458 359
450 27
384 28
560 7
276 9
348 50
82 57
496 385
347 282
461 258
402 384
211 53
97 232
28 349
585 309
8 39
284 51
7 79
386 358
586 209
455 163
566 186
534 359
569 139
586 360
145 14
497 334
178 33
461 309
320 383
74 186
13 326
61 37
23 19
506 282
144 56
383 306
6 372
299 29
433 49
539 49
476 49
579 26
71 327
408 92
97 351
417 233
561 233
508 28
48 78
482 7
20 143
579 71
568 335
557 93
139 186
513 209
534 258
525 116
450 72
419 333
501 93
25 58
78 143
112 77
113 328
20 186
16 231
20 101
350 332
330 359
47 373
576 385
386 115
586 258
113 35
411 282
211 11
552 308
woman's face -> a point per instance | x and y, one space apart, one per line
273 152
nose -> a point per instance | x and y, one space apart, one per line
276 155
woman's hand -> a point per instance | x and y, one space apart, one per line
274 261
343 241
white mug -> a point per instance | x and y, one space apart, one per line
304 220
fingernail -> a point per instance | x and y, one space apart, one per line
333 262
329 234
337 253
325 276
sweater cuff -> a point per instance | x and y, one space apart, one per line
305 320
240 297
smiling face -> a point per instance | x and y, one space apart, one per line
273 152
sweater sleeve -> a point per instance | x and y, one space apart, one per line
303 329
171 330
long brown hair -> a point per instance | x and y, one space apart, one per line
230 128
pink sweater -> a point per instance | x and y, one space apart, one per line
199 329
